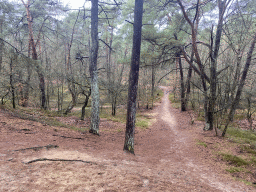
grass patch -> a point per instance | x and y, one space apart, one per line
201 143
253 161
235 170
246 182
233 159
242 136
142 123
142 120
248 149
172 99
119 117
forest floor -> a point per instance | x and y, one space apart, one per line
167 158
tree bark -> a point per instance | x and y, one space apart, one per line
133 78
95 119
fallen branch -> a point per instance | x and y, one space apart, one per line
65 160
37 148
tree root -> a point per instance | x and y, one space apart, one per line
38 148
65 160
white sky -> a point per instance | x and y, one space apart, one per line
76 4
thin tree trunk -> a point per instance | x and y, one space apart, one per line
95 119
241 85
153 84
1 42
133 78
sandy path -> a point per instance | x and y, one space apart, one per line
202 175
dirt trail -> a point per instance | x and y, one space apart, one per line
166 157
192 166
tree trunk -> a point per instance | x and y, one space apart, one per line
133 78
213 69
95 119
153 84
1 42
241 85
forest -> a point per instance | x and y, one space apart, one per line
114 58
207 47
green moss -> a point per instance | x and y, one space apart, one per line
233 159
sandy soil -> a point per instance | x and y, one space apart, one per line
167 157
